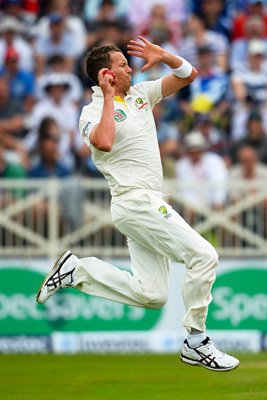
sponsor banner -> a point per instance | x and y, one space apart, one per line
239 305
25 344
69 310
239 297
242 341
151 342
117 342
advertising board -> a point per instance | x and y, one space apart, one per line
74 322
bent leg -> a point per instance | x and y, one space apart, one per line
146 286
167 234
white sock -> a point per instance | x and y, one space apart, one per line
194 339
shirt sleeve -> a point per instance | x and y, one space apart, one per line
88 120
153 90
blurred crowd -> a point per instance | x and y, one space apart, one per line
212 131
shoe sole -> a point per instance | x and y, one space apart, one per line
199 364
48 276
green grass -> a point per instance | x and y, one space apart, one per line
121 377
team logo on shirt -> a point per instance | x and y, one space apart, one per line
119 115
163 210
141 104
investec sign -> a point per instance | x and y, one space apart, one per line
239 298
67 311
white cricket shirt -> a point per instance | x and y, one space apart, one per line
134 161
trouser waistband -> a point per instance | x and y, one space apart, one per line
135 192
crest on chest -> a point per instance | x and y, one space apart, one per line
141 103
119 115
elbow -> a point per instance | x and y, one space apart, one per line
104 146
103 139
193 75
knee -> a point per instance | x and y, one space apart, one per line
156 300
210 256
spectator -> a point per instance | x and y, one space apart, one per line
212 13
196 35
107 27
58 106
158 19
247 178
73 24
255 138
254 8
56 64
157 31
248 166
22 12
168 135
249 87
12 125
11 31
215 137
110 32
118 10
58 41
11 165
139 10
21 83
48 164
209 91
32 7
239 49
250 80
202 174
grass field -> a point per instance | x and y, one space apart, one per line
138 377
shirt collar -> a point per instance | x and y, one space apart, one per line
97 91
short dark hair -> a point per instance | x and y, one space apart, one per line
55 59
44 128
98 58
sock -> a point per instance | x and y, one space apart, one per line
194 339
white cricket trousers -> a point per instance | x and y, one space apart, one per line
156 234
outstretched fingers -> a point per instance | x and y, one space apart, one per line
138 46
141 49
135 54
134 49
134 43
145 41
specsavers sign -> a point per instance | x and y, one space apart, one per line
68 311
239 297
239 303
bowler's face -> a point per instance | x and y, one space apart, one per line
122 71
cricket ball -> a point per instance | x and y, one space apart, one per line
108 71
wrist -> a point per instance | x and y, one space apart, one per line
184 70
168 59
109 98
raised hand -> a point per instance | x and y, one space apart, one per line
150 52
106 79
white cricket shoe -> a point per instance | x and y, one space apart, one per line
60 276
208 356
